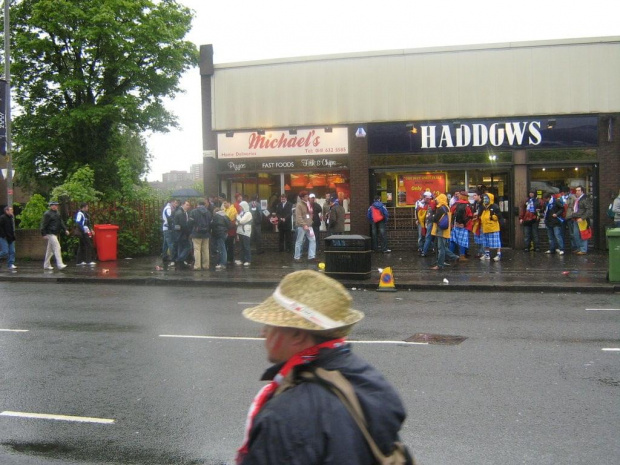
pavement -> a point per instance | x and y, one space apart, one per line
517 271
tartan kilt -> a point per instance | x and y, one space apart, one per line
478 239
492 240
460 236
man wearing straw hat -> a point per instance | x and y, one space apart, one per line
296 419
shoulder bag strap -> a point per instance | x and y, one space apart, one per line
338 384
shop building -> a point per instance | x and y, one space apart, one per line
509 117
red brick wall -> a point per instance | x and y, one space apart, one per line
358 177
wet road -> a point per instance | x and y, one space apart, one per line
530 383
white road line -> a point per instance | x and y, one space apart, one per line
15 330
214 337
47 416
262 339
602 309
611 349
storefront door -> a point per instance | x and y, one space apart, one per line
499 183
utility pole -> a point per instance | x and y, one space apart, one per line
7 104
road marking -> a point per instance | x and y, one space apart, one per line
611 349
214 337
15 330
231 338
47 416
602 309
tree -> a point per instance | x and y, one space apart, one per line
89 77
78 188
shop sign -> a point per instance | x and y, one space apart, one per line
270 165
307 143
513 133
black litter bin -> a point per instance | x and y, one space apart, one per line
348 256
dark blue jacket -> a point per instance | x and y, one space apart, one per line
378 204
309 425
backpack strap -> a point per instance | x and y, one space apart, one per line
335 382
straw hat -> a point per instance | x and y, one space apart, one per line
308 300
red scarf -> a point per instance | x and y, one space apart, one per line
266 393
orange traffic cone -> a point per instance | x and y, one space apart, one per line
386 281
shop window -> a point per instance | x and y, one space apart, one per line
267 186
551 180
319 183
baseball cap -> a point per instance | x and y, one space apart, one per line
312 196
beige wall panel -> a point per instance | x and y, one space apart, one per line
502 80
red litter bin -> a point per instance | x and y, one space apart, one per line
106 240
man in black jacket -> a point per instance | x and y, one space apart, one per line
51 226
301 422
182 231
7 237
284 213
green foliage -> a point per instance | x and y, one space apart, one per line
79 187
31 215
90 76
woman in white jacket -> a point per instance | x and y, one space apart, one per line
244 231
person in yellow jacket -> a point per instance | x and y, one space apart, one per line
489 223
442 235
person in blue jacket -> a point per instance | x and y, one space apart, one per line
378 215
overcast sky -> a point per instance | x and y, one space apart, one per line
241 30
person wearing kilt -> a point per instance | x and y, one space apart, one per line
489 221
462 216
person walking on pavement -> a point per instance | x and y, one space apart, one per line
420 220
490 227
378 215
220 225
231 212
201 233
529 218
284 214
7 237
581 212
430 204
336 221
461 223
51 226
553 221
244 232
85 252
441 231
167 215
303 220
182 231
317 214
297 418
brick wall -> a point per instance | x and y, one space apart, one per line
358 178
29 244
609 172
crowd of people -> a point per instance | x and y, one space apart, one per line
226 230
448 225
565 213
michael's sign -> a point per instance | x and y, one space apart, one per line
306 142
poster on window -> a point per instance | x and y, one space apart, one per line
411 186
